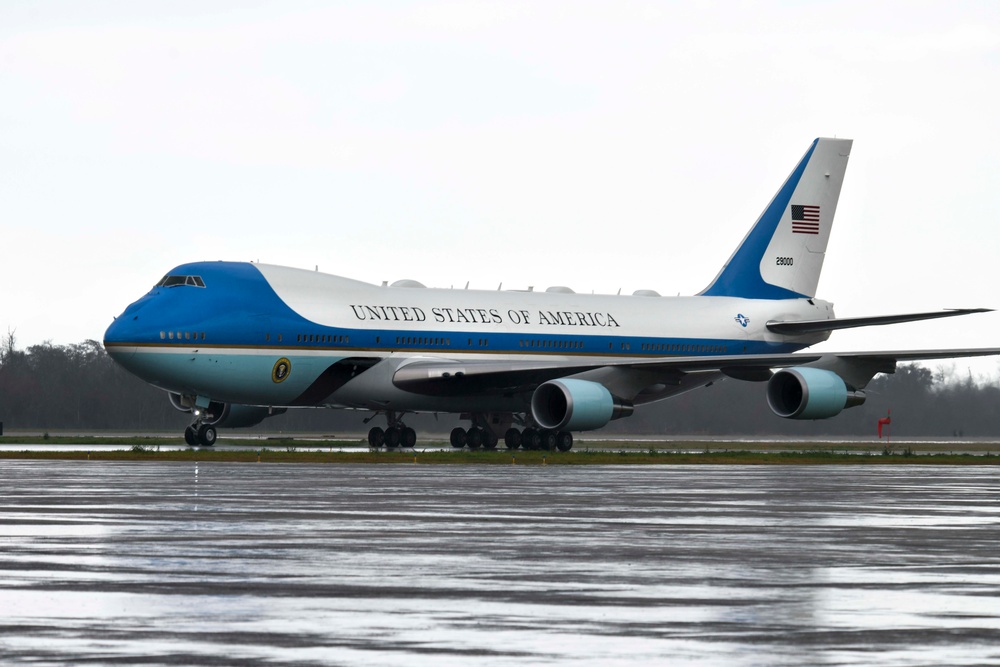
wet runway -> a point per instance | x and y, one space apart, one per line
254 564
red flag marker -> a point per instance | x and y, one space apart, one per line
884 421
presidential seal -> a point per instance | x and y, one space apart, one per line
282 368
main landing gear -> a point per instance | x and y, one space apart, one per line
482 434
538 439
475 438
396 435
392 437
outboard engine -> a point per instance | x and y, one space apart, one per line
810 393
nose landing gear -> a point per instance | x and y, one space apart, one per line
200 435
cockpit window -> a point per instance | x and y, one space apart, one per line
174 281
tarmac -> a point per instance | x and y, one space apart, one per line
159 563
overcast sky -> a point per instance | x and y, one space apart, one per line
599 145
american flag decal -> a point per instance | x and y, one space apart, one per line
805 219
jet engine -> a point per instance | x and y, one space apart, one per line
228 415
576 405
810 393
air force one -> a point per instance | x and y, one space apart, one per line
233 343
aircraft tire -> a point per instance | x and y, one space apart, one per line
376 437
392 437
191 436
409 437
458 437
564 441
531 439
475 438
548 440
490 439
512 438
207 435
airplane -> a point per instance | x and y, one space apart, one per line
235 342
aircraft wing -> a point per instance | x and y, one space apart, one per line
451 378
800 327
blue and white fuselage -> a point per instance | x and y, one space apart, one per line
223 339
235 342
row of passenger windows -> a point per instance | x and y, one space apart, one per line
553 344
318 338
182 335
413 340
670 347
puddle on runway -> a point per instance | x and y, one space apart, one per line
177 563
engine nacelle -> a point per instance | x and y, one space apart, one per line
575 405
810 393
228 415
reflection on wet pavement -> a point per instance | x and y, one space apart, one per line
178 563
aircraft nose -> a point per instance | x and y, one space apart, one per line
114 336
117 332
126 327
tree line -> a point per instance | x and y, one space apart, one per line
79 387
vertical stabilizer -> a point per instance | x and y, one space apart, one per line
782 256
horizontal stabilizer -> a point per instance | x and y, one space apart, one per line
801 327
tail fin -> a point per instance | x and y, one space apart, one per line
782 256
